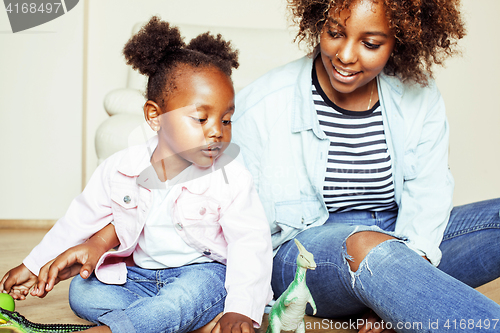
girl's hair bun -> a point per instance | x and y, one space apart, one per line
148 49
217 48
158 50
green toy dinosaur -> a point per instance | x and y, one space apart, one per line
15 323
287 313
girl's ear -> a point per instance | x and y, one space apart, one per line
152 111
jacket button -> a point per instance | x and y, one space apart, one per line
207 252
203 210
127 199
178 226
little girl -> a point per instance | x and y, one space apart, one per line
192 234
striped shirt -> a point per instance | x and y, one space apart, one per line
359 169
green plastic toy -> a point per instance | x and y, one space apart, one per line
15 323
287 313
7 302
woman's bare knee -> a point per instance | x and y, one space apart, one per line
359 244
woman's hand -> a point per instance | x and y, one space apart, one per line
17 282
373 324
232 322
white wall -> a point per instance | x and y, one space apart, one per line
40 117
471 88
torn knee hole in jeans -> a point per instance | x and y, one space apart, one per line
365 262
363 265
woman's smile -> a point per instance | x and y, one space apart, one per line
344 76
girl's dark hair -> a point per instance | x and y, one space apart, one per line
158 50
426 31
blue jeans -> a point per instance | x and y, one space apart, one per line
406 291
168 300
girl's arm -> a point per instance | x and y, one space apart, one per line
88 213
81 259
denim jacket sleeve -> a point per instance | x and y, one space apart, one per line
418 133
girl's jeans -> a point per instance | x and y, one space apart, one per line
405 290
167 300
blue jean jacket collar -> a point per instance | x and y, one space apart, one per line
304 121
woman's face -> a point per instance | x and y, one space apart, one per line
355 45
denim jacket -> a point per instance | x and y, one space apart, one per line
282 145
215 210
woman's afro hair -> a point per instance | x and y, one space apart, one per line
426 31
158 50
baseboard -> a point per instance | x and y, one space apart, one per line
26 224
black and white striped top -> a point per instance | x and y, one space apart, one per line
359 169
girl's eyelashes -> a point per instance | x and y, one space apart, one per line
202 120
199 120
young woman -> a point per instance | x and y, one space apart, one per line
349 152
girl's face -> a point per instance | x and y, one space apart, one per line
355 46
195 127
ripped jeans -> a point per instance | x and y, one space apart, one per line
406 291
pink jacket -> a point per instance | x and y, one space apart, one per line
216 211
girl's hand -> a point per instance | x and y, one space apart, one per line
17 282
78 259
232 322
81 259
373 324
